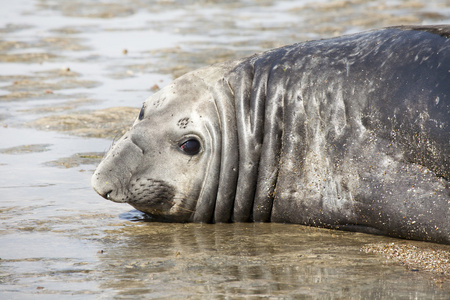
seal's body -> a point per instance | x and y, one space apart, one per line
350 133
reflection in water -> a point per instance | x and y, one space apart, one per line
250 259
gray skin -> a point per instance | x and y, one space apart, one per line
348 133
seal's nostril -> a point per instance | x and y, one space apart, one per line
108 195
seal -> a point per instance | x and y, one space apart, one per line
347 133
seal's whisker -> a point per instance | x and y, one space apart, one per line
115 139
179 205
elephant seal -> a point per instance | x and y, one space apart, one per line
349 133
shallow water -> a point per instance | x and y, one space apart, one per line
73 75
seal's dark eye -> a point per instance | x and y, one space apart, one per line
191 147
141 113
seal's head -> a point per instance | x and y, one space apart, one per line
167 164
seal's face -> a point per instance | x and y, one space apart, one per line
159 166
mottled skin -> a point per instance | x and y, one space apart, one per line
349 133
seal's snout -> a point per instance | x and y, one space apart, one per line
101 185
101 189
116 169
105 188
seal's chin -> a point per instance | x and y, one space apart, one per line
163 211
157 217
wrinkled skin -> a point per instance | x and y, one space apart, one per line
349 133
